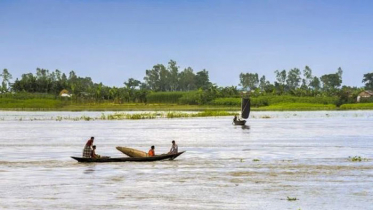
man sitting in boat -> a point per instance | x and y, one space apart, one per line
174 148
151 152
93 153
87 148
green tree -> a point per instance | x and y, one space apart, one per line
281 76
262 82
293 78
331 82
157 78
265 85
6 80
187 80
42 80
229 92
307 74
368 80
249 80
281 79
164 79
174 75
99 91
131 86
315 83
114 93
72 82
202 79
307 79
132 83
340 72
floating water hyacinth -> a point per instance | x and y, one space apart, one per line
357 159
291 199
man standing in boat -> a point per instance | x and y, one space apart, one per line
174 148
87 148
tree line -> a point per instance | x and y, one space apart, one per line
170 78
293 83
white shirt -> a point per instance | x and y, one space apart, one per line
174 149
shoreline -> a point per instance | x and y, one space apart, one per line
175 107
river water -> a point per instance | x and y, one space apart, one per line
302 155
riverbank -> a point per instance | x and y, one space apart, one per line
54 105
176 101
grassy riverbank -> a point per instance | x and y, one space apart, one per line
46 106
258 104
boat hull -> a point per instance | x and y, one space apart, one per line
129 159
240 122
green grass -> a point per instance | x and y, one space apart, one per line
35 103
208 113
143 107
122 116
140 116
43 102
274 99
358 106
297 107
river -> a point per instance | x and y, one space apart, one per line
305 156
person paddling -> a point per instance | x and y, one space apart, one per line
235 118
151 152
174 148
87 148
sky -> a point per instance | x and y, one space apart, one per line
111 40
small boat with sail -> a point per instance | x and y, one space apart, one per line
245 111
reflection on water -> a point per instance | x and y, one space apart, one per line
245 127
90 168
300 154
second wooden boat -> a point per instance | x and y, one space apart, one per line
130 152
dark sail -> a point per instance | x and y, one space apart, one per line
245 108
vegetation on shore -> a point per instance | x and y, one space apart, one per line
359 106
170 88
132 116
260 103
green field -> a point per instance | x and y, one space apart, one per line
360 106
263 103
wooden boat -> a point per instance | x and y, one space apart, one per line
130 152
245 111
129 159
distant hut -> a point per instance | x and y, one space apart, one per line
365 94
64 93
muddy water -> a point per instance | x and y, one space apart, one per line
302 155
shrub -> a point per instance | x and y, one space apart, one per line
357 106
164 97
227 101
190 98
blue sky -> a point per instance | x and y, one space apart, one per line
112 40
